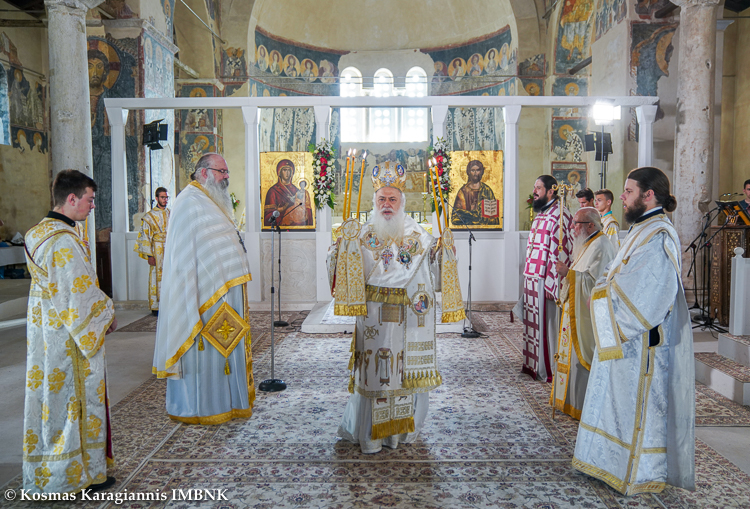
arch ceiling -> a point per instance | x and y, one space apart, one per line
384 25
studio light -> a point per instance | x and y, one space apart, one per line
605 113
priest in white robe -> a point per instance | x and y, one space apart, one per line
203 334
592 251
394 355
67 443
150 245
637 430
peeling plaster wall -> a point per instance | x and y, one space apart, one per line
24 162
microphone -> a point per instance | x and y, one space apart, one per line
274 216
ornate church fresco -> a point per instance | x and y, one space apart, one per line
118 9
574 34
574 175
113 72
5 128
276 61
233 64
572 87
23 115
158 81
647 8
531 73
475 129
196 130
650 53
567 138
460 68
168 9
608 14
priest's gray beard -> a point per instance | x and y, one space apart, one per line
578 244
219 193
389 230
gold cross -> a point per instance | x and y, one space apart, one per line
225 330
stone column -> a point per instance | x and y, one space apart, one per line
646 116
251 117
70 109
694 123
324 223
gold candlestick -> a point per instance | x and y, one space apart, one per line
361 177
434 201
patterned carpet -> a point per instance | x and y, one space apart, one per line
489 440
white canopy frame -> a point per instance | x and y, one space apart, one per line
118 109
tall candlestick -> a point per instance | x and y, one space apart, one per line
424 183
434 200
347 182
442 200
351 186
361 177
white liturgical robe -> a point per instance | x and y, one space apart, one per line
202 335
637 430
575 347
67 442
151 240
394 355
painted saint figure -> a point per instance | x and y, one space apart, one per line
292 203
150 244
475 203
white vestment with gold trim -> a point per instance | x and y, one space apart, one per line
208 363
151 239
637 430
394 355
611 228
575 346
66 446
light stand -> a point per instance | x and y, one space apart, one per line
272 384
153 132
604 113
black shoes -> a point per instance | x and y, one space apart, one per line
155 312
103 485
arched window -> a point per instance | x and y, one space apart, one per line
414 120
381 125
352 119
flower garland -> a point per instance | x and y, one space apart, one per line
324 181
440 152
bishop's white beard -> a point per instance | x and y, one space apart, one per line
389 230
219 193
578 244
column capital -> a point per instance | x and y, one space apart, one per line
646 114
511 113
696 3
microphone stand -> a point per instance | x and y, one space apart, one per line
279 322
273 384
469 332
693 262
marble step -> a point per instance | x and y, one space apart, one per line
725 376
736 348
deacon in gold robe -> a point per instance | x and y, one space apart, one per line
610 227
394 356
150 245
202 335
66 444
592 251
